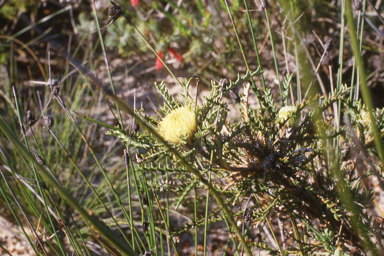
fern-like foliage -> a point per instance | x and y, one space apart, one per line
171 102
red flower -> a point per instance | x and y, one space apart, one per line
135 3
159 65
176 54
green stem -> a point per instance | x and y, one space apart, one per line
254 43
107 64
273 50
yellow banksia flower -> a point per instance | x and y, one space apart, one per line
180 122
285 112
365 119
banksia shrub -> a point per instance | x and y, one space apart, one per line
278 160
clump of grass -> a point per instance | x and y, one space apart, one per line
283 177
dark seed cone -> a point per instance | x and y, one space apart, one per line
48 121
39 159
358 5
31 120
114 12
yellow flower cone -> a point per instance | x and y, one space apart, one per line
180 122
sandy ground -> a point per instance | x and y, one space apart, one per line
13 239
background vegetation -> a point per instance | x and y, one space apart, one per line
285 156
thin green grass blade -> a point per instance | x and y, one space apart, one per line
100 227
365 92
254 43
